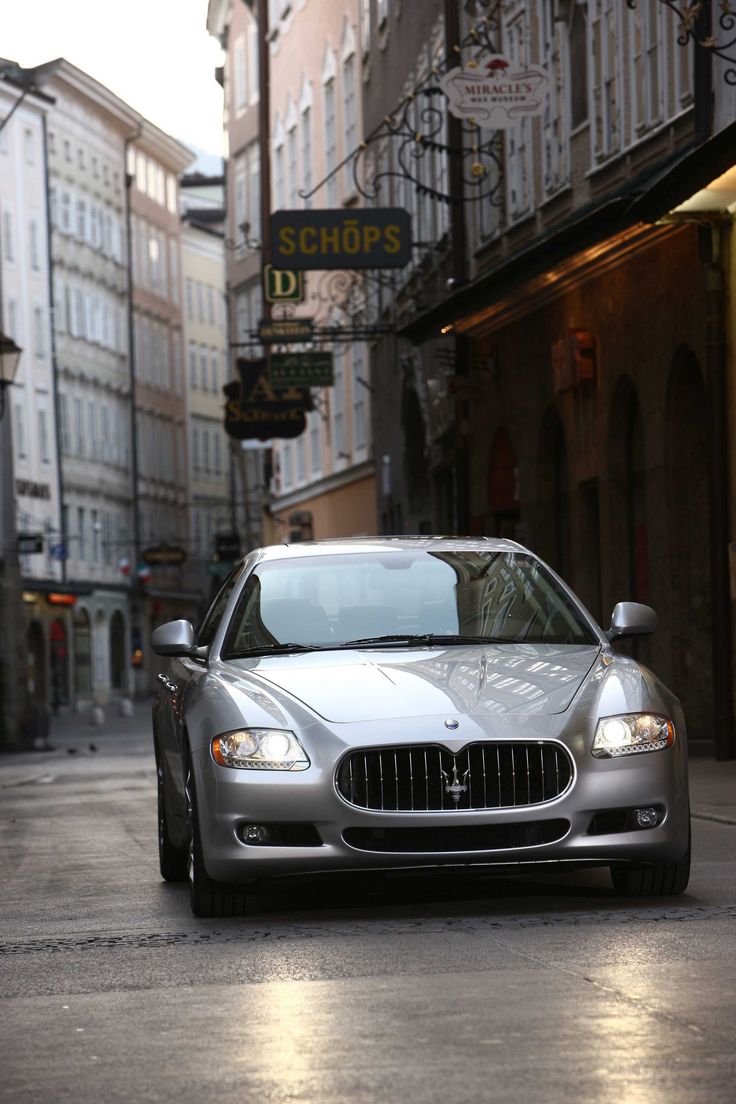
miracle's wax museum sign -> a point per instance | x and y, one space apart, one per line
496 94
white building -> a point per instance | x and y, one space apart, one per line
88 129
30 405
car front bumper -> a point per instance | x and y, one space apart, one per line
231 799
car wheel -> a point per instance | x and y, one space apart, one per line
208 897
652 879
172 860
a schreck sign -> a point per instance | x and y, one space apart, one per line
256 409
340 238
497 93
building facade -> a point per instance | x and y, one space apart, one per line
320 483
587 356
88 638
233 24
29 488
211 475
162 587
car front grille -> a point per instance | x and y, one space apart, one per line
428 778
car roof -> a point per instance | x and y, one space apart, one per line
335 546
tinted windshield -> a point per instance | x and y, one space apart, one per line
331 600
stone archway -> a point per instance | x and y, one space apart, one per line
689 618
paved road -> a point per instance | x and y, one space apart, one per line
518 990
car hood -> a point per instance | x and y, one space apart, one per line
382 685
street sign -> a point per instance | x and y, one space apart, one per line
282 285
282 330
58 552
30 544
301 370
164 555
377 237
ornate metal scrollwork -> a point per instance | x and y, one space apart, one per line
722 43
405 142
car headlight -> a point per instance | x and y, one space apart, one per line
260 749
632 733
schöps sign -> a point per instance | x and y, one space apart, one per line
378 238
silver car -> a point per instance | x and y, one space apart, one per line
399 703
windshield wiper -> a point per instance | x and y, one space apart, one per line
427 639
272 649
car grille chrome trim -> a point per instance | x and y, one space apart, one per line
420 778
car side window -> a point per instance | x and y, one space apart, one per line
207 629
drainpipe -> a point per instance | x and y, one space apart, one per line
458 270
136 595
54 358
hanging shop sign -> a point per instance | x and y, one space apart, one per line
377 238
257 409
227 547
497 93
282 285
280 331
301 370
164 555
30 544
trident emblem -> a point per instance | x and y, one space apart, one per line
457 786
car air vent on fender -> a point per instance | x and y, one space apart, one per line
426 777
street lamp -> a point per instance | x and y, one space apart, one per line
9 358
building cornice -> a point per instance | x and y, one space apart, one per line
82 84
334 482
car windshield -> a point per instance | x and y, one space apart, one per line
394 596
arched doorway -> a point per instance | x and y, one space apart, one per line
36 678
59 662
689 619
554 494
503 486
117 651
82 653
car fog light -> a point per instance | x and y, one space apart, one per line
254 833
647 817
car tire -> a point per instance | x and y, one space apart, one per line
653 879
208 897
173 861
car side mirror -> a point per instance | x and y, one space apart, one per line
175 638
632 619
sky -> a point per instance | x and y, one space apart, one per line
156 55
